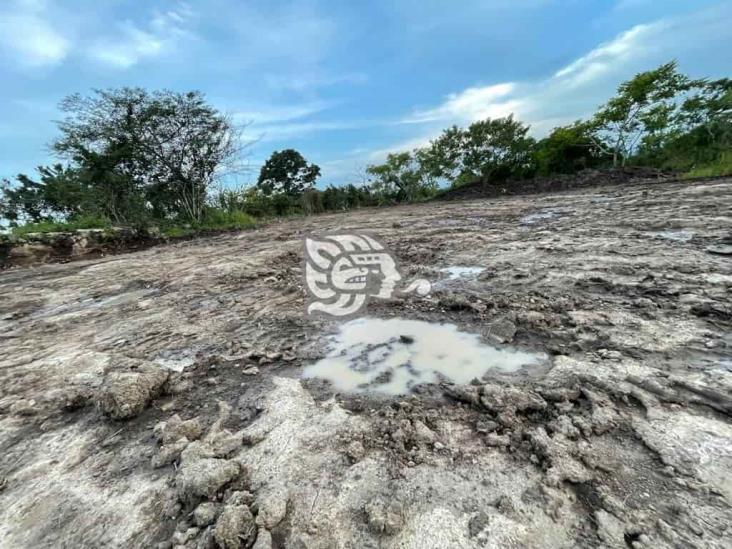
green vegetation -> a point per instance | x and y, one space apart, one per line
287 172
136 158
213 220
721 167
83 222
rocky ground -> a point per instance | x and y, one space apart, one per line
154 398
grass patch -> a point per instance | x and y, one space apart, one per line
225 220
721 167
213 220
177 232
84 222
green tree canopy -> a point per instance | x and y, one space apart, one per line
164 148
401 177
642 114
567 149
488 149
287 172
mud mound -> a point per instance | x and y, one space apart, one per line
579 180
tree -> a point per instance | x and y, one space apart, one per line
489 149
58 194
401 178
163 146
566 149
641 114
287 172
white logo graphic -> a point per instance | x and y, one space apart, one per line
343 271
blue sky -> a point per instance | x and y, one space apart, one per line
345 82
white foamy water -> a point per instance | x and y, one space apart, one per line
539 216
392 356
454 273
681 235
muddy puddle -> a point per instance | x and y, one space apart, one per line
393 356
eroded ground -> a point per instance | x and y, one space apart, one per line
155 398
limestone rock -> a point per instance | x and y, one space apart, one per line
125 394
235 528
205 514
175 428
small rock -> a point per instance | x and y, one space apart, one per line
169 453
564 406
205 514
272 507
125 394
251 371
168 406
495 440
609 529
180 387
202 476
355 451
486 426
264 540
175 428
181 538
609 354
23 407
439 446
502 330
422 433
235 527
384 518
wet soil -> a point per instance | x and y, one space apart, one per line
623 439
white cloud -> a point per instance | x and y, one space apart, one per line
274 122
471 104
134 43
538 102
607 57
29 39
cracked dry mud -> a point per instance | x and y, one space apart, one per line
154 398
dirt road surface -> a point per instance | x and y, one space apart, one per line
156 399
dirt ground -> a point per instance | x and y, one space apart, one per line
154 399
